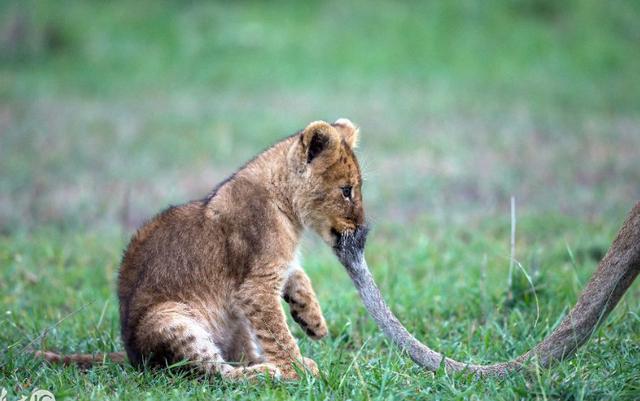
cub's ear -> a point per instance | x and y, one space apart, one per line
350 132
319 138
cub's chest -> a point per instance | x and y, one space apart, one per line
293 265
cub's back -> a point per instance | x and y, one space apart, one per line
164 258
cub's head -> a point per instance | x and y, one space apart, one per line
329 185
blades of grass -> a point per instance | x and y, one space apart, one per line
353 360
104 310
533 290
577 283
364 382
512 247
540 384
45 331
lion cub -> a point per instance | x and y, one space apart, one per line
202 282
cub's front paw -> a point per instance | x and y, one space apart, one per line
293 372
311 366
252 372
309 318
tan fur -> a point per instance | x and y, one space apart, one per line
203 281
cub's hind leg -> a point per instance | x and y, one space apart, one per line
303 304
171 332
240 345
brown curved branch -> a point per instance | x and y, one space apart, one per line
615 273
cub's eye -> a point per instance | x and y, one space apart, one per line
347 191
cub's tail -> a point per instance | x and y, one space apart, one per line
82 360
614 275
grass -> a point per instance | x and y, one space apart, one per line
448 288
109 111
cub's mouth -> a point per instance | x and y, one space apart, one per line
349 245
336 236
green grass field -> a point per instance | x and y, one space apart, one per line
110 111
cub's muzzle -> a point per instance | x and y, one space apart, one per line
349 245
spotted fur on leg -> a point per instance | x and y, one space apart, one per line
172 332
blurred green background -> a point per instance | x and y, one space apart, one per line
109 111
461 104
